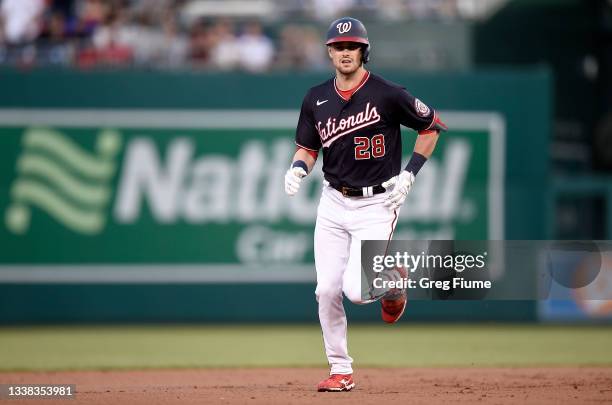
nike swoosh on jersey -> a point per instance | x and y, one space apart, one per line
321 102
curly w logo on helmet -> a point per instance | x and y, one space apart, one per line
344 27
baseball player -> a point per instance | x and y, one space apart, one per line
355 119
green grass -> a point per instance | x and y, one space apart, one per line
65 348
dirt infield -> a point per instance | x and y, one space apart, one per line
296 386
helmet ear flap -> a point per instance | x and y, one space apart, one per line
365 54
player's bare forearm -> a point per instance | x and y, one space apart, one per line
426 143
304 155
423 148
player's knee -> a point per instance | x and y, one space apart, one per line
354 295
327 292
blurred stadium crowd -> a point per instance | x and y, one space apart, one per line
221 35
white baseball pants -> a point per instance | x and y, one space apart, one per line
342 223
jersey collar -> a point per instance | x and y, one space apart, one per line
353 90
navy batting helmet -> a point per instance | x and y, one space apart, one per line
348 29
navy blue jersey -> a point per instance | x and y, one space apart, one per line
360 137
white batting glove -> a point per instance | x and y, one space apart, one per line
400 186
293 179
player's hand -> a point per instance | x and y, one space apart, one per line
293 179
400 186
